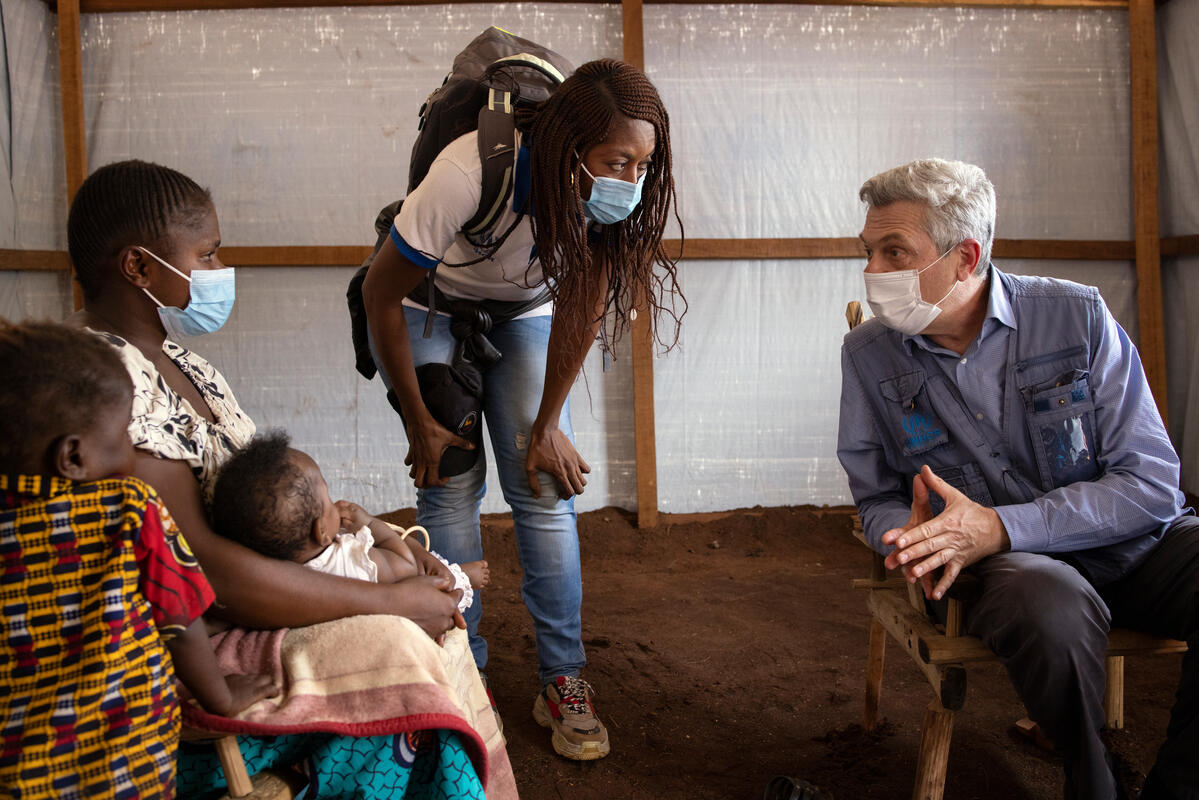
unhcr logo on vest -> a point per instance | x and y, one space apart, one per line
919 431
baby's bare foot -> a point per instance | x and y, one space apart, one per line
478 573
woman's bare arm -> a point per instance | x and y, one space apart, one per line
390 279
260 592
549 449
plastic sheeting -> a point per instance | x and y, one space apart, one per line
301 122
1178 86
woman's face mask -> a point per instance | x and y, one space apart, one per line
611 200
211 295
895 298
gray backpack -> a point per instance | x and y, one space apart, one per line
493 76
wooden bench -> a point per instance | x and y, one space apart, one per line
941 652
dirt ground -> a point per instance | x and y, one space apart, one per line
728 648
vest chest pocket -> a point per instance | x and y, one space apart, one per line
1061 424
913 421
966 478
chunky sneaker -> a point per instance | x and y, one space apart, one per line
565 707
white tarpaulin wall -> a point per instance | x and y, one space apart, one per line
301 121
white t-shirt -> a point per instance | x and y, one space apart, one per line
428 230
348 556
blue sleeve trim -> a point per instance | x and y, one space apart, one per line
411 253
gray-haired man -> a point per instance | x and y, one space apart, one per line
1003 424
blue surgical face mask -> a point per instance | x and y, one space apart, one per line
211 296
611 200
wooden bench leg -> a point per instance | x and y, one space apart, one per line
935 735
234 767
874 674
1113 695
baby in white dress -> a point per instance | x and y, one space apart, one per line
274 499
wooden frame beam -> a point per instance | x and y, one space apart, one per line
121 6
642 334
1151 339
1180 246
34 260
74 135
694 250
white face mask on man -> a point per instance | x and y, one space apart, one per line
895 298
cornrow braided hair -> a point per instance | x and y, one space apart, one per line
128 203
57 380
579 115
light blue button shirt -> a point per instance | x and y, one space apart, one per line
1136 492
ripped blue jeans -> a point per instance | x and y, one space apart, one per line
546 529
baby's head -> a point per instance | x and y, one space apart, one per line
66 404
273 499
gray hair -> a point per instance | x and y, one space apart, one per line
959 198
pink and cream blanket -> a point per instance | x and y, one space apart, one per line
364 676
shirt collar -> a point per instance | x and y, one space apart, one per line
999 305
16 490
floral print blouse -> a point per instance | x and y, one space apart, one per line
166 425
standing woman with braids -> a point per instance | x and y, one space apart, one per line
593 173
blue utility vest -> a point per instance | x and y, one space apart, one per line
1047 410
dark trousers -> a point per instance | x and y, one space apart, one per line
1049 625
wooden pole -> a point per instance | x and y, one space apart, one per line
1150 313
74 138
642 337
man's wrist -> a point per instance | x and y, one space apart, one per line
1002 542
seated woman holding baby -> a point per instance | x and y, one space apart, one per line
357 660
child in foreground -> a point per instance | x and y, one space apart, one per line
96 578
274 499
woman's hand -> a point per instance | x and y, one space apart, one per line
426 562
428 602
427 442
550 451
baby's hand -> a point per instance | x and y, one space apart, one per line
246 690
353 516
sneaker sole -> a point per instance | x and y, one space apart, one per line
588 751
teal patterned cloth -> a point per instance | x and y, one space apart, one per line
426 765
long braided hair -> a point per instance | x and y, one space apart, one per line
579 115
128 203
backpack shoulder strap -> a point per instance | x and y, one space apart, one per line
497 153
